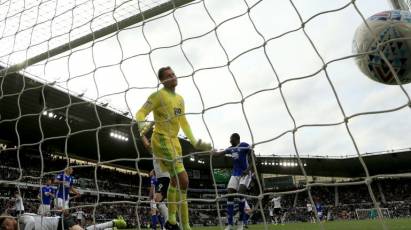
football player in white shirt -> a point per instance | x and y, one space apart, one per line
276 201
271 212
18 208
310 212
37 222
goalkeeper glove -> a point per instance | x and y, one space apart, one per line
202 146
144 127
120 222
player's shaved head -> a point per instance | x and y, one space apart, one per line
235 139
236 136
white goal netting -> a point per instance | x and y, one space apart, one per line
73 73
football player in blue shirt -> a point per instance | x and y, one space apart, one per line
46 196
64 182
240 179
158 191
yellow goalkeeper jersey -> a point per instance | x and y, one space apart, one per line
168 109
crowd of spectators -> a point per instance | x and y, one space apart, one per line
340 203
28 166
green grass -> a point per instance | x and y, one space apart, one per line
391 224
333 225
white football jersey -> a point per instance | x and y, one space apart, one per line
277 202
19 203
309 207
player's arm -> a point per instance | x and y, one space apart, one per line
185 126
219 153
44 192
141 115
74 191
59 179
49 194
145 110
151 192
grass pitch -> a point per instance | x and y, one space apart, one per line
391 224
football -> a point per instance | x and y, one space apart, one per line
388 35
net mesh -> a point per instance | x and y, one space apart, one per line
118 67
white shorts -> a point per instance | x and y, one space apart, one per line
62 204
157 170
44 210
32 221
236 181
153 204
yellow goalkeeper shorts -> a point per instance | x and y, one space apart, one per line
169 149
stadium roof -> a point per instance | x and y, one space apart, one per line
23 120
377 164
34 113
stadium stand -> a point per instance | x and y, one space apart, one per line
340 202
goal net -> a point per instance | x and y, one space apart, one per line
73 74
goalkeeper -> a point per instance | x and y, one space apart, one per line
169 116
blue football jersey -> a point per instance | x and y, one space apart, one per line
62 190
46 198
239 154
